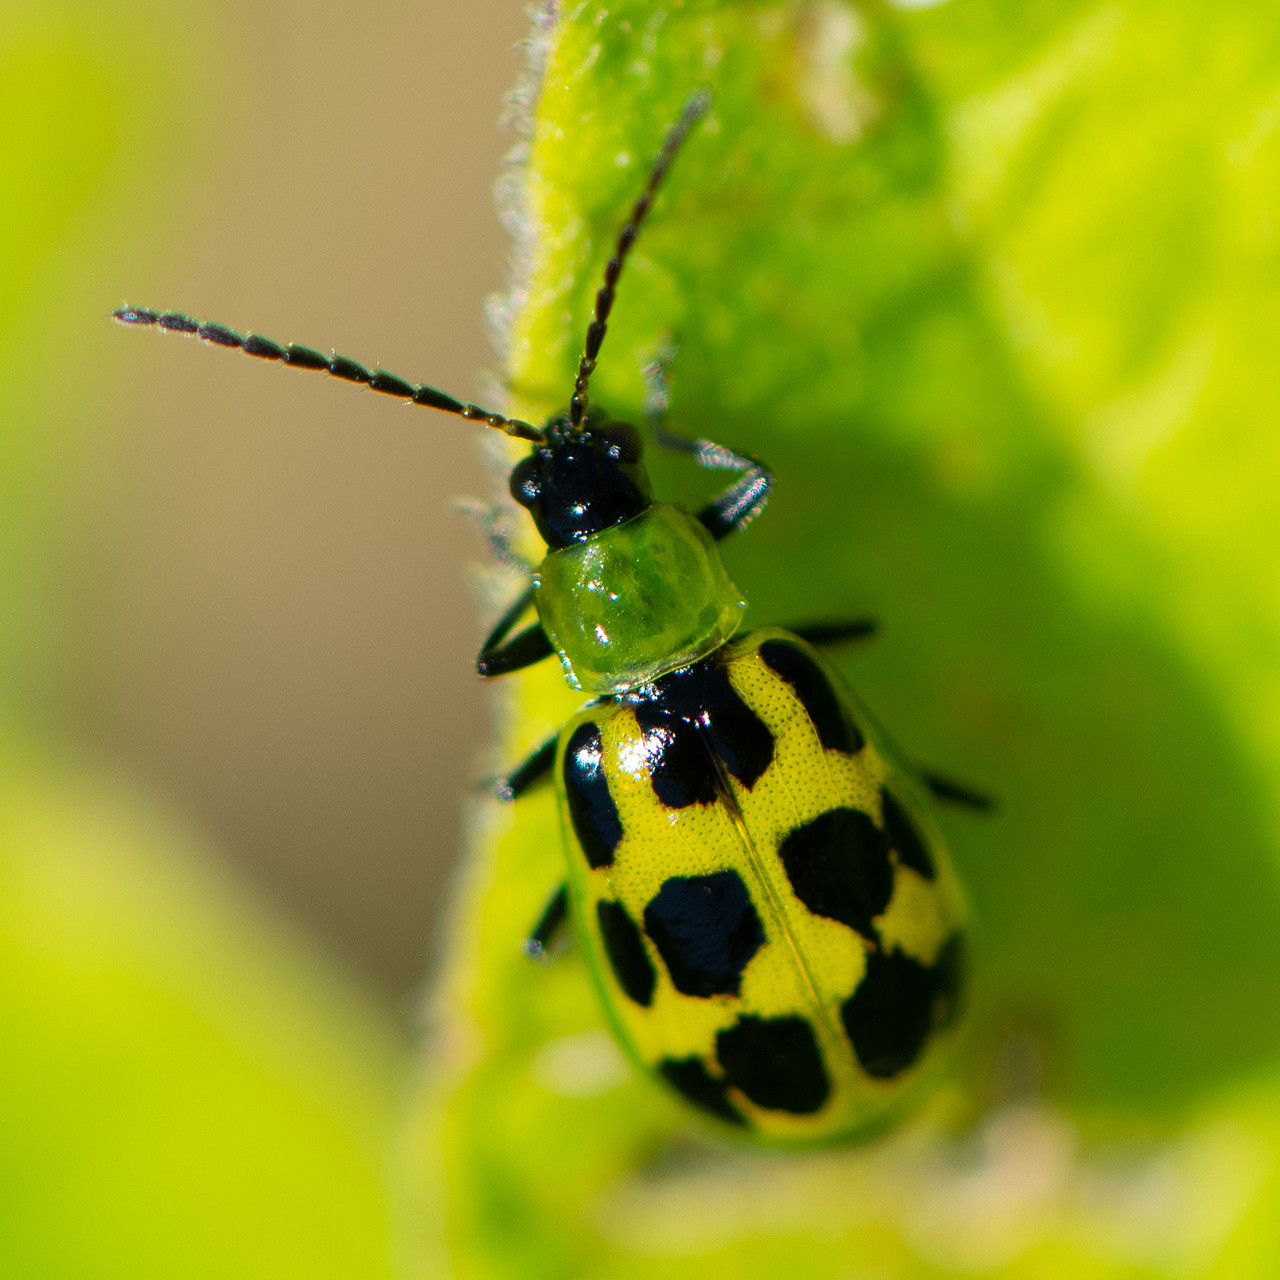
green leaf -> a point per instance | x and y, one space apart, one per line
993 287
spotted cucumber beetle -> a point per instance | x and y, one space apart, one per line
764 901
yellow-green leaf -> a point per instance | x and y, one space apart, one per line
992 286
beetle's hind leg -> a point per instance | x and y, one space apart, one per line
550 927
828 631
498 655
948 791
555 915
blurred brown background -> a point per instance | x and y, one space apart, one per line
270 621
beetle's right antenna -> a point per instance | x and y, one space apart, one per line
694 110
335 366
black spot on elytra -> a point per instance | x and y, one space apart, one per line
819 699
706 931
839 867
691 1077
681 770
898 1003
703 694
904 839
625 949
775 1062
691 715
591 808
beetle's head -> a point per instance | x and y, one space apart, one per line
582 479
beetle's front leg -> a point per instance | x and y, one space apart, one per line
742 501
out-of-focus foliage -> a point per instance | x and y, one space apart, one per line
182 1090
185 1090
994 287
79 87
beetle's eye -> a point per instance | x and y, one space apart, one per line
622 441
526 481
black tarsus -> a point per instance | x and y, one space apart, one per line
694 109
735 508
835 630
738 505
522 650
529 772
551 922
949 791
334 365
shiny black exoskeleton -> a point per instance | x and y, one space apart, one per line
583 480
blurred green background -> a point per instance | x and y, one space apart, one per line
237 709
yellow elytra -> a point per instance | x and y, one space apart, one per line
772 921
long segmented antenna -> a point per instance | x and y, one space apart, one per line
694 110
336 366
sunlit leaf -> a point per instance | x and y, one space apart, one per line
993 288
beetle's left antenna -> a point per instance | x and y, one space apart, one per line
336 366
694 110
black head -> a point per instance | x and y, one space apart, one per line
579 482
586 475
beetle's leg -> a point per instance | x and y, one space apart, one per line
835 630
949 791
555 916
529 772
498 655
739 504
743 500
657 391
657 399
489 518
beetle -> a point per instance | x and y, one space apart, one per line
763 897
